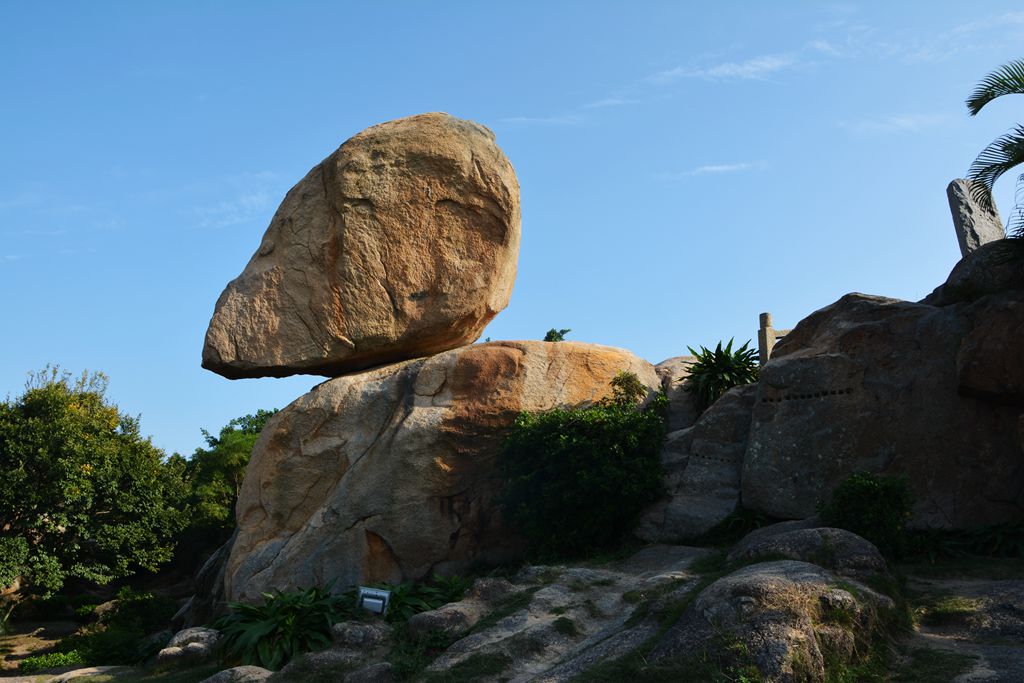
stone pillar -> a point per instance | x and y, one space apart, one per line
767 337
975 223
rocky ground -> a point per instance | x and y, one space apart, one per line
787 603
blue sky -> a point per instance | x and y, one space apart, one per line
683 167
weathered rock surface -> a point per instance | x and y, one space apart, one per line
561 621
240 674
702 465
390 474
190 645
456 618
844 552
993 268
975 223
783 618
674 373
402 243
871 383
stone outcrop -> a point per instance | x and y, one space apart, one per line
783 619
894 387
837 549
391 474
402 243
702 466
976 223
674 372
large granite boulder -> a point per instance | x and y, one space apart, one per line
402 243
895 387
391 474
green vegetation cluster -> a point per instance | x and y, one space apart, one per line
82 493
873 506
715 372
288 624
575 481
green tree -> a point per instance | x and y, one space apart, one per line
1006 151
215 473
82 492
554 335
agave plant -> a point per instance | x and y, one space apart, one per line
1006 151
715 372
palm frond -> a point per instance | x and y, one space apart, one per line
1001 155
1006 80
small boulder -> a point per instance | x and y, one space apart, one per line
359 635
840 550
783 619
240 674
191 645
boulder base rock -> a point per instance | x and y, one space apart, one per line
402 243
391 474
872 384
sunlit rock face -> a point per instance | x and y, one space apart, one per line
392 474
401 244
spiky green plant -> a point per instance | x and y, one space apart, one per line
715 372
269 635
1006 151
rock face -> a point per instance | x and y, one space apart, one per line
785 619
674 373
402 243
837 549
703 465
390 474
975 223
894 387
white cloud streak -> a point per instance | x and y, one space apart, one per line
755 68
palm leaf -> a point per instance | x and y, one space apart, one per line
1001 155
1006 80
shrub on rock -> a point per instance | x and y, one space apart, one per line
577 480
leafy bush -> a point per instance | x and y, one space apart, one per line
286 624
715 372
575 481
119 636
30 665
873 506
554 335
408 599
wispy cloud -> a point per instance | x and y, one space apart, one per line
824 47
252 195
565 120
723 168
716 169
755 68
903 123
610 102
13 257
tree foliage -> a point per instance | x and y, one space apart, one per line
1005 152
82 492
554 335
215 473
